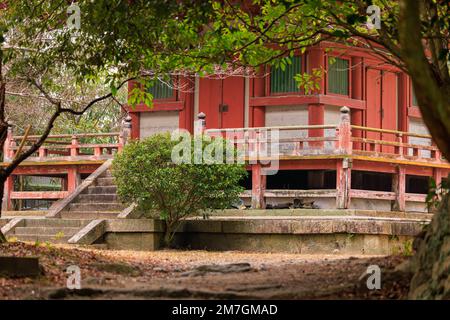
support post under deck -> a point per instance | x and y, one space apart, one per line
258 187
399 187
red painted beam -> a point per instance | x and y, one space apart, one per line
307 99
157 106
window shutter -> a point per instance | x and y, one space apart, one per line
414 98
338 77
161 90
283 81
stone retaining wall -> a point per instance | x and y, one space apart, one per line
323 235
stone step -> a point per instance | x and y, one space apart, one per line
96 206
47 231
101 190
56 223
90 214
98 197
106 174
41 238
107 181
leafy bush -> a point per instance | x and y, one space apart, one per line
146 175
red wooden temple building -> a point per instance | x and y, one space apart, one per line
374 154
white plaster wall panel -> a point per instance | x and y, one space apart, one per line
332 115
157 121
370 204
417 126
287 116
415 207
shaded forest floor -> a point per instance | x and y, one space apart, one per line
174 274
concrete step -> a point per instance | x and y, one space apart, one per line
106 174
98 197
107 181
96 206
90 214
47 231
56 223
41 238
3 222
101 190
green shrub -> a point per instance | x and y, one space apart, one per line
146 175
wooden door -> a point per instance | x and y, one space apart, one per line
381 112
389 108
222 101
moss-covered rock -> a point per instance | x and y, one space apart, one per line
431 264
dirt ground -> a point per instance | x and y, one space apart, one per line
174 274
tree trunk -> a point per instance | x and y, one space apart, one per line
168 235
2 186
431 263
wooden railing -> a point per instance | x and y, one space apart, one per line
282 141
67 147
338 139
394 144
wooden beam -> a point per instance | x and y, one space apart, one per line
307 99
38 194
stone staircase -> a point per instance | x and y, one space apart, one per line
47 230
98 201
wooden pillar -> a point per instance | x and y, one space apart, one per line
257 113
399 187
73 179
437 176
316 116
258 187
403 97
259 116
343 167
316 60
8 188
343 183
135 125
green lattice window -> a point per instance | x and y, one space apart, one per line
338 76
283 80
413 97
160 90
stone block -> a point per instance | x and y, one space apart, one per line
20 266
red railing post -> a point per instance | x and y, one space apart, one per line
42 153
399 148
343 166
200 124
8 153
344 132
125 132
74 147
